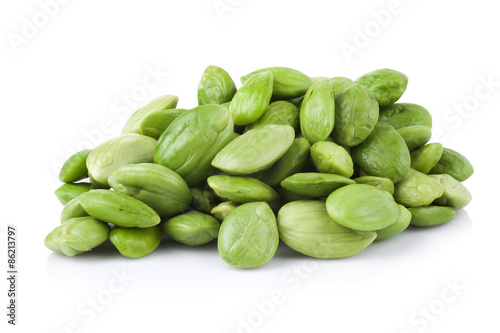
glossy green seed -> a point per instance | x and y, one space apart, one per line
126 149
203 199
415 136
425 158
241 189
255 150
429 216
252 99
190 143
77 235
248 237
315 185
356 113
383 154
67 192
192 229
155 123
294 160
73 209
417 189
362 207
277 113
387 85
329 157
133 124
136 242
216 86
75 168
399 226
317 112
155 185
455 194
222 210
306 227
382 183
454 164
339 84
119 209
401 115
288 83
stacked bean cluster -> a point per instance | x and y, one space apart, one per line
327 165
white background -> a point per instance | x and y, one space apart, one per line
63 87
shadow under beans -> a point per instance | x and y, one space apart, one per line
460 223
171 248
174 265
169 245
409 240
103 251
286 252
414 239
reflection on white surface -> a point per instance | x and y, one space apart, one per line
177 280
177 265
